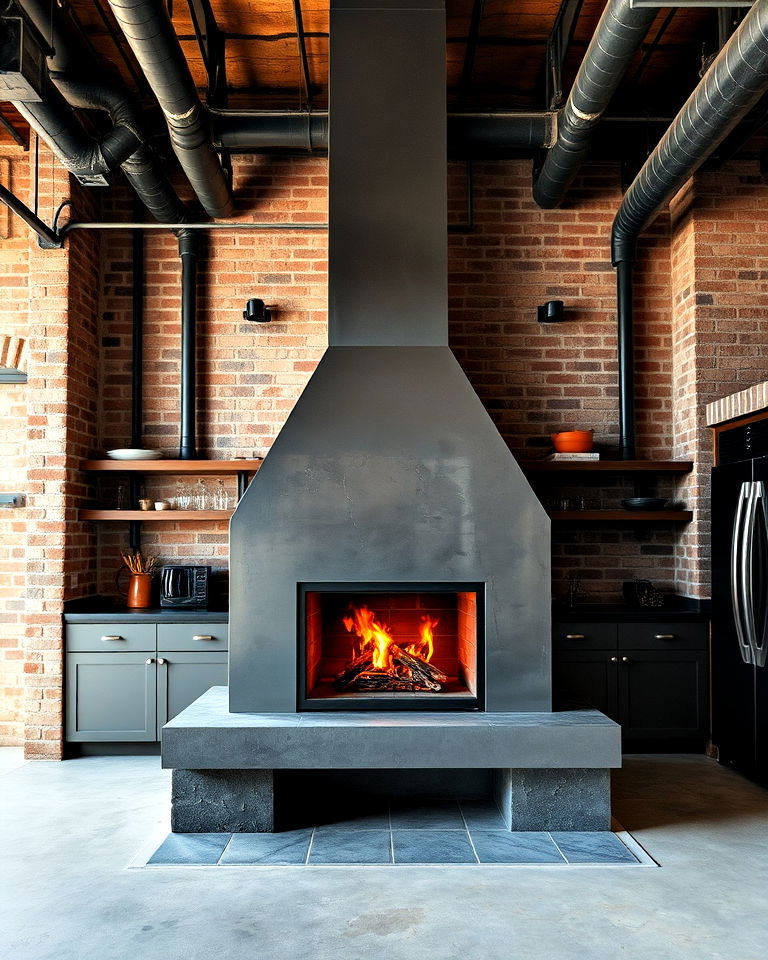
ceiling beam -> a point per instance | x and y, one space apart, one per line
300 37
471 49
557 50
212 46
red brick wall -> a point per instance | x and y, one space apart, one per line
533 379
249 375
14 315
61 430
720 302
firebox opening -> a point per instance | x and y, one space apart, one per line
415 646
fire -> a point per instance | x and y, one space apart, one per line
379 663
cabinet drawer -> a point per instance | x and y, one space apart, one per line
585 636
103 637
663 636
192 636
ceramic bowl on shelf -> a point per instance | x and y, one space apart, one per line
573 441
134 453
644 503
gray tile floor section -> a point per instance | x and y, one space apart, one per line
69 833
437 831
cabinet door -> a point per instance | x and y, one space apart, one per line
663 696
586 678
183 677
111 696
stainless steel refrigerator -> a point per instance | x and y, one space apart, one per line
740 600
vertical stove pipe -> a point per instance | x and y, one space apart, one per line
137 340
626 360
188 254
137 369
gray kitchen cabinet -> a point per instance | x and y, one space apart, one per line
118 696
183 677
111 696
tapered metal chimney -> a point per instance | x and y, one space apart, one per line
389 469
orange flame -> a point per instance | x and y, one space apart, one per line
425 646
376 635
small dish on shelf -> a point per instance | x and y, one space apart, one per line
134 453
644 503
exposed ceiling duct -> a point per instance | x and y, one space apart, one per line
88 158
151 36
486 133
617 38
735 81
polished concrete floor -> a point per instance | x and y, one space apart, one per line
72 834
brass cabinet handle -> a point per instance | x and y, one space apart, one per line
664 636
106 638
161 660
614 659
149 660
203 636
625 659
575 636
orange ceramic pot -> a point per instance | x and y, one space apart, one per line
573 441
139 590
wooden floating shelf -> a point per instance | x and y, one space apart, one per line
607 466
671 516
194 467
150 516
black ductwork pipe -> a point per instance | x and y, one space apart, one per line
617 38
188 254
137 339
141 168
72 85
151 36
243 130
735 81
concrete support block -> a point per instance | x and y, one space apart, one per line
533 799
223 801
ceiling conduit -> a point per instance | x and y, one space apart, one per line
70 84
735 81
149 31
617 38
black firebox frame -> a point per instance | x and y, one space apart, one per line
434 703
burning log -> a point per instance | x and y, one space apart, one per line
414 674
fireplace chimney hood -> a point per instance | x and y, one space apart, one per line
389 469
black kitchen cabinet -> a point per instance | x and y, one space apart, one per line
649 676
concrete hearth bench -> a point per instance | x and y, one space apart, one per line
552 770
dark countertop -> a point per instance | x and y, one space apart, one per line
111 610
676 610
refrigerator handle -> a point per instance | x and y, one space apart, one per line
756 512
738 559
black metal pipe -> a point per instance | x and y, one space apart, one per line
735 81
48 237
188 255
137 339
624 304
617 38
149 31
243 130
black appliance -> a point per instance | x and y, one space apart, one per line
184 586
740 599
